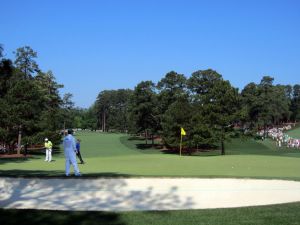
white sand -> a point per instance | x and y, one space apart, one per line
118 194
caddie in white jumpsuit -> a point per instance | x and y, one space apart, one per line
70 153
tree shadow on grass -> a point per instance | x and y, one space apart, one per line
48 217
193 153
135 144
18 160
149 146
138 144
135 138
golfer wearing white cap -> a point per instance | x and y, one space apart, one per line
48 147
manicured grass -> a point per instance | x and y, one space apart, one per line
123 155
287 214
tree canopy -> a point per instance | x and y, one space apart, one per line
29 100
208 107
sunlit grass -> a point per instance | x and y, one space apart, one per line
119 154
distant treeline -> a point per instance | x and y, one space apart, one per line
208 107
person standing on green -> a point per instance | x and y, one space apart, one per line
48 147
78 151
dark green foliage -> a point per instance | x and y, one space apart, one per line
216 106
200 134
171 91
170 88
202 81
29 104
205 105
111 110
89 118
295 104
25 61
144 108
178 115
6 71
265 104
67 111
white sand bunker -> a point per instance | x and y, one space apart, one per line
118 194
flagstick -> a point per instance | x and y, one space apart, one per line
180 144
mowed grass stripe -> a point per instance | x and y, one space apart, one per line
102 144
94 144
168 166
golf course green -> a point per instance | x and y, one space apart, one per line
111 154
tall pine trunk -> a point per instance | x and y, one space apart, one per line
146 136
222 142
103 122
152 137
222 147
19 140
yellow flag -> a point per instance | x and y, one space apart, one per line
182 132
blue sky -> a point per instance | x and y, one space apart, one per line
94 45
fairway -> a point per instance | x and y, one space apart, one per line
110 154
